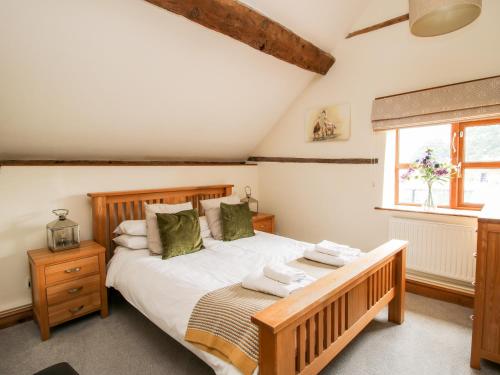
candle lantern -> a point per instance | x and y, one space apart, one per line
62 234
253 203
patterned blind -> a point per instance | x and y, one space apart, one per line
463 101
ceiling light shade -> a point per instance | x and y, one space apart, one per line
437 17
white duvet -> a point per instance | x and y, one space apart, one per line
166 291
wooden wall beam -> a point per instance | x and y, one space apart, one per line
240 22
114 163
274 159
392 21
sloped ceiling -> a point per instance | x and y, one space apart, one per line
123 79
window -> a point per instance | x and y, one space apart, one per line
473 147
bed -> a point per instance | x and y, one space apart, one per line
299 334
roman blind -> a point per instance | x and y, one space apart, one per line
463 101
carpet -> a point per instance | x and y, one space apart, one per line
435 339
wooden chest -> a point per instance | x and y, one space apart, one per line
486 318
67 284
263 222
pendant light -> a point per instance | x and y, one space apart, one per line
438 17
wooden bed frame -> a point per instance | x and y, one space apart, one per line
302 333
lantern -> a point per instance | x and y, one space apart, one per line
62 234
253 203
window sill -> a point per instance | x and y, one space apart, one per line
436 211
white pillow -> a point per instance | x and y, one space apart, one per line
154 241
215 203
132 242
204 229
213 215
132 227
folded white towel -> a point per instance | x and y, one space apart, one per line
335 249
283 273
257 281
338 261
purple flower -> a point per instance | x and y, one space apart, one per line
441 172
428 168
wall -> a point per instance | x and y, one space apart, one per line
336 202
29 194
115 71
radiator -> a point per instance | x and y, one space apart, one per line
438 250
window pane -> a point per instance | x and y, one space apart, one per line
482 143
414 141
415 191
481 185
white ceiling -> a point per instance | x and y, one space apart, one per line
123 79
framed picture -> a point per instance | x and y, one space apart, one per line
331 123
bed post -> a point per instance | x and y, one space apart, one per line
276 355
99 222
397 305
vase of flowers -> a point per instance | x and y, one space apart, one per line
428 169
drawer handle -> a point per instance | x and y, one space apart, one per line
72 270
473 283
474 255
472 317
74 290
74 310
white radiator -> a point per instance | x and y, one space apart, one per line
437 249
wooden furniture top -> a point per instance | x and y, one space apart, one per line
287 310
184 189
44 255
261 216
490 214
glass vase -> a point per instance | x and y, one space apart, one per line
429 202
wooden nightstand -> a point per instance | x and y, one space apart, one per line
263 222
67 284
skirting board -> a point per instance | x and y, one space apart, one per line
442 293
17 315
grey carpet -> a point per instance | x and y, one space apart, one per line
435 339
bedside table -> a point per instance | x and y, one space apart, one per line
67 284
263 222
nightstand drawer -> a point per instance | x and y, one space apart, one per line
71 270
73 308
264 226
72 289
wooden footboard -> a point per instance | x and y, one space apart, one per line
302 333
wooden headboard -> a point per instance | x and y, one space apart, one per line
111 208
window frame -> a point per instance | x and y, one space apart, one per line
457 157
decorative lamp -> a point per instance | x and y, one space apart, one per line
252 202
62 234
438 17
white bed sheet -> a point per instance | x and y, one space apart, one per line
166 291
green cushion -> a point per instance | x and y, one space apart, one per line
179 233
236 221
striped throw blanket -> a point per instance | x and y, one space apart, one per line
220 324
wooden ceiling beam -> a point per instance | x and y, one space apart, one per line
378 26
240 22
